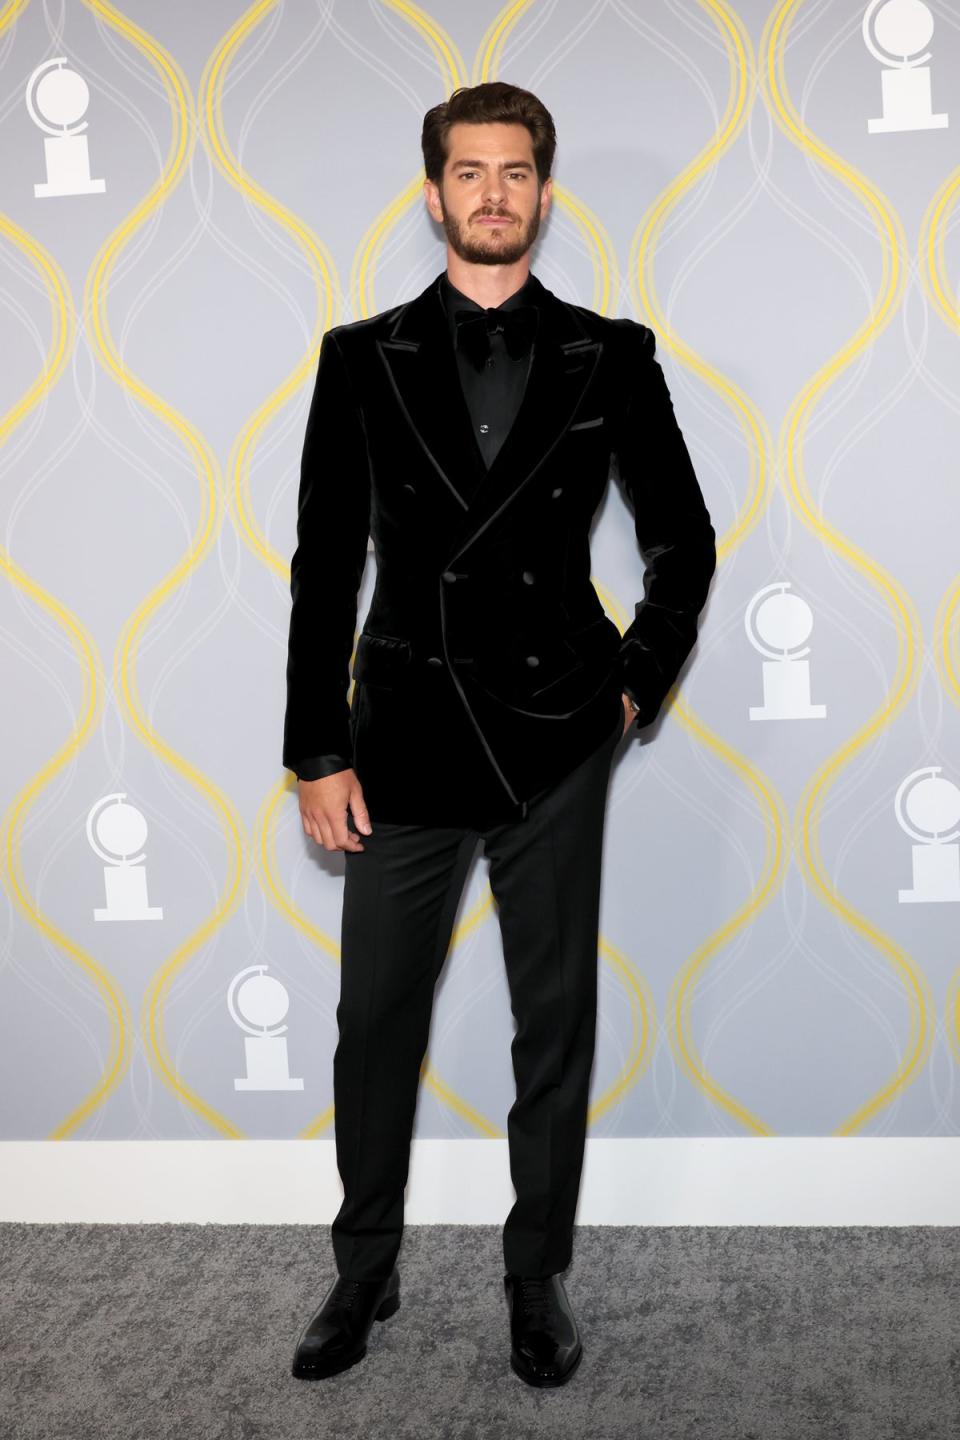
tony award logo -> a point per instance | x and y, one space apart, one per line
120 831
777 629
257 1007
56 100
933 807
903 28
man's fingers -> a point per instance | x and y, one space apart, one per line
317 827
342 834
330 830
323 809
359 811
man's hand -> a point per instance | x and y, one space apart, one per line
323 810
628 715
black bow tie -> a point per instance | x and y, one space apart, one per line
474 328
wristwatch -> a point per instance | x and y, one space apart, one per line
632 703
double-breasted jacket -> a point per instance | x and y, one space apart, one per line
486 666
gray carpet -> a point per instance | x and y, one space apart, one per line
707 1334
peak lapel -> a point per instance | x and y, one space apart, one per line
422 365
564 360
423 370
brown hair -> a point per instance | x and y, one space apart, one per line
494 102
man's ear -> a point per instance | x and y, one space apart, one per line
432 197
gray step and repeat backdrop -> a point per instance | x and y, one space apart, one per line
191 195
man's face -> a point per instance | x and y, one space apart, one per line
490 172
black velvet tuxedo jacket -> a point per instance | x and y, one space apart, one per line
486 668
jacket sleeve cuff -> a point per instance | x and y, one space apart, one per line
647 686
317 767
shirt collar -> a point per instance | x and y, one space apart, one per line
454 299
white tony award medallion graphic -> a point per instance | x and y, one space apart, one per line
257 1006
928 809
901 29
777 625
115 833
57 99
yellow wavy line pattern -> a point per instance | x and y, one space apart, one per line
327 285
642 1030
946 626
902 610
321 264
770 805
452 74
747 76
490 50
125 660
116 1007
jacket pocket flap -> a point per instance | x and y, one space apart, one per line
380 659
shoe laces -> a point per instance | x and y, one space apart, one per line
536 1295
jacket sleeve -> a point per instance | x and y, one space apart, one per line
674 532
333 522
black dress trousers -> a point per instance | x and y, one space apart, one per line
401 895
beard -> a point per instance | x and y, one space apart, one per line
494 245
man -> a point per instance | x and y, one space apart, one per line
470 431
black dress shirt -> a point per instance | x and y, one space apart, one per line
493 394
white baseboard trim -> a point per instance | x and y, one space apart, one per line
763 1181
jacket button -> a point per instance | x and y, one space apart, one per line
434 660
533 659
528 577
449 576
556 492
410 488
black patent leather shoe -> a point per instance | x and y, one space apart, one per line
336 1337
545 1346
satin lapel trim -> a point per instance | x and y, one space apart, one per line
422 366
559 374
423 371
